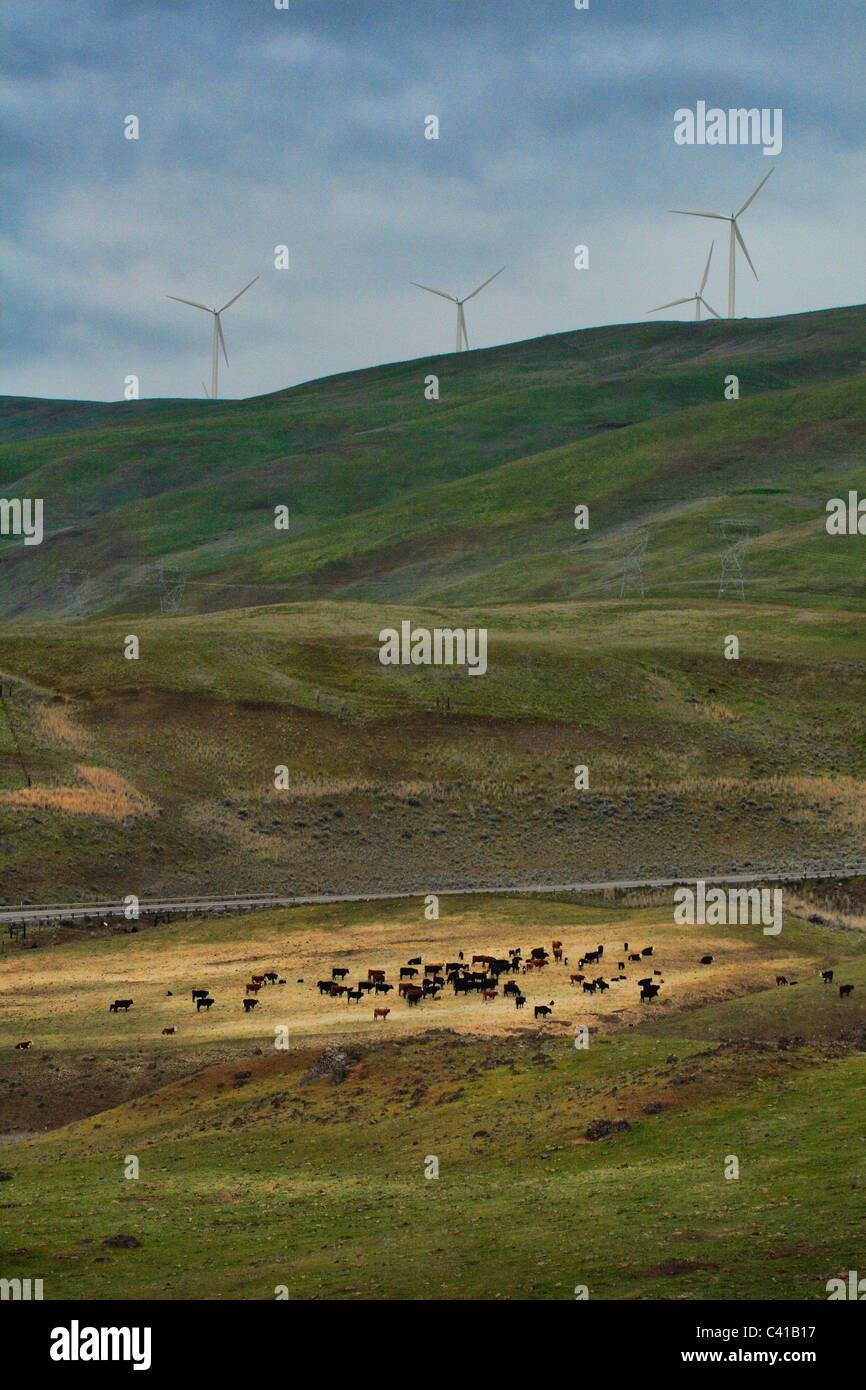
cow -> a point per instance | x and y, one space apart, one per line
590 958
23 1046
168 1032
601 984
377 976
519 1001
407 972
404 987
207 1001
258 980
200 994
252 987
707 960
353 994
577 979
781 980
336 990
635 955
380 1013
120 1004
413 994
542 1010
827 977
432 967
647 980
845 990
647 951
511 987
657 972
539 953
380 988
416 960
648 993
271 977
557 953
324 986
620 965
489 994
365 985
249 1004
589 986
339 972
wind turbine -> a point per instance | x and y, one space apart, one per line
218 339
462 335
697 299
735 237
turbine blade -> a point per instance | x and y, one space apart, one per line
204 388
484 286
441 293
463 326
743 245
673 304
754 195
707 271
719 217
709 306
221 338
189 301
238 295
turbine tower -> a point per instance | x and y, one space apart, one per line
697 298
218 339
735 237
462 335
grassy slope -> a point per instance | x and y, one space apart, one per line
252 1183
387 490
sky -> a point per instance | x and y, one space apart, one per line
305 127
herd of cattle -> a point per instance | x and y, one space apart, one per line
421 980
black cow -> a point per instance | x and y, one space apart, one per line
601 984
339 972
324 986
407 972
542 1010
844 991
414 995
707 960
249 1004
649 992
827 976
382 988
125 1004
589 986
416 960
271 976
203 1004
200 994
365 984
647 951
511 987
353 994
519 1001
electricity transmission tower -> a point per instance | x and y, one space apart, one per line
632 570
172 584
70 588
734 536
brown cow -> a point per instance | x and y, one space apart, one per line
23 1046
557 953
377 976
577 979
557 945
781 980
380 1013
253 988
489 994
168 1031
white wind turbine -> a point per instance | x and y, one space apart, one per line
462 335
735 237
218 339
697 299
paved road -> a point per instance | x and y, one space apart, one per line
50 912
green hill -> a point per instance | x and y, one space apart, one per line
469 498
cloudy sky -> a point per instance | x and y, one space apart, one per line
305 127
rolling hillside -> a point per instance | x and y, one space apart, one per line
466 499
